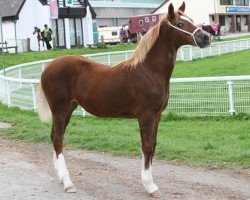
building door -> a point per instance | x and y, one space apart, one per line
58 29
72 32
230 24
238 23
76 34
79 33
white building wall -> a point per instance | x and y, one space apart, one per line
32 14
8 31
87 24
198 10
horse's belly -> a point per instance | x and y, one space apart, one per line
104 108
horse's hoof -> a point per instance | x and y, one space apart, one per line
156 194
70 189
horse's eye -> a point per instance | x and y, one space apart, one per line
180 25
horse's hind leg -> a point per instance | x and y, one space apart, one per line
60 122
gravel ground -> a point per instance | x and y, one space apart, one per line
27 172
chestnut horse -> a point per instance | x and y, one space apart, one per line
136 88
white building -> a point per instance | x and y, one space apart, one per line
117 12
231 15
73 27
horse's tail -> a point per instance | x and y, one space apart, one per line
43 108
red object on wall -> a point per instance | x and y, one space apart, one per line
142 23
53 9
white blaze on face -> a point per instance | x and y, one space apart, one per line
186 18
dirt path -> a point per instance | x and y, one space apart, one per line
27 172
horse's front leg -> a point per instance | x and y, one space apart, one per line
148 123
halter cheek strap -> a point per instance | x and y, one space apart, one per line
192 34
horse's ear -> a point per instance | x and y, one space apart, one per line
182 7
171 14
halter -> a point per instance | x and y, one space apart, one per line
192 34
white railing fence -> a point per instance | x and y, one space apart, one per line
189 96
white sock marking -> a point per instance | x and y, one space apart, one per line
62 171
147 178
55 162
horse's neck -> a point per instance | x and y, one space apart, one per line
39 35
161 58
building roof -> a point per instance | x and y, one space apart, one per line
110 4
10 9
135 1
160 6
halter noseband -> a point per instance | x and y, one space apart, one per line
192 34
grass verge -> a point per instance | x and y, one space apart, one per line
193 141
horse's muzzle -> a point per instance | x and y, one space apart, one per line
202 39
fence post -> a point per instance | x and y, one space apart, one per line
109 61
20 75
231 98
84 113
43 66
201 53
126 55
8 93
182 54
219 49
33 96
190 53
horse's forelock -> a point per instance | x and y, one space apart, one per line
184 15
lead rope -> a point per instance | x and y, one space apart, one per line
192 34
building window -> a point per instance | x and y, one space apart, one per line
222 20
114 33
58 29
146 19
75 26
154 19
141 23
226 2
61 33
79 33
241 2
72 31
245 20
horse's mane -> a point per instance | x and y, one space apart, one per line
144 46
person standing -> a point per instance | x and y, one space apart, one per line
47 36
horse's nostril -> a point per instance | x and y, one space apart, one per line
206 38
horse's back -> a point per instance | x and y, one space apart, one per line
60 76
92 85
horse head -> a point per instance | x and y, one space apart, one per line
184 32
36 30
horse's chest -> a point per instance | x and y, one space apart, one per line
158 102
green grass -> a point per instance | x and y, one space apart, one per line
231 38
14 59
193 141
230 64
